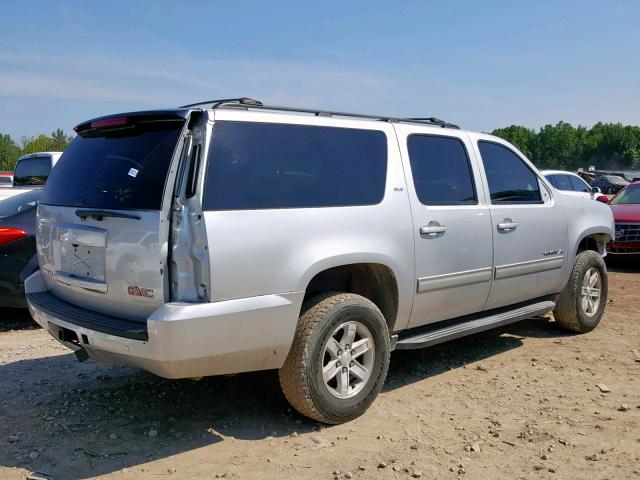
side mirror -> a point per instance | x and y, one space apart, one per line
596 190
603 199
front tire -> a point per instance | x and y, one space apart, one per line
339 359
581 305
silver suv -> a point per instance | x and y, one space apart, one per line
231 236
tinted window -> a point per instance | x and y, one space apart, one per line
615 179
265 165
124 169
19 203
578 184
5 180
630 195
441 170
32 171
510 179
563 182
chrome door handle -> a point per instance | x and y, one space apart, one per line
508 225
432 229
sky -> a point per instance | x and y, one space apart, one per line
482 65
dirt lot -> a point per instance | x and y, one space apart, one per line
518 403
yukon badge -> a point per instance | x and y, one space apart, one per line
140 292
552 252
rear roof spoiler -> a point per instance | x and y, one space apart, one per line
122 120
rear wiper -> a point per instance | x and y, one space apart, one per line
100 214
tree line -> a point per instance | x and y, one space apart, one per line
10 150
607 146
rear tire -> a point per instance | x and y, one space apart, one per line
339 359
581 305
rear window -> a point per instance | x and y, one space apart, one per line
269 165
32 171
122 169
19 203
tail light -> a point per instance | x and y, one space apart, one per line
110 122
10 234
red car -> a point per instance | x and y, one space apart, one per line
626 212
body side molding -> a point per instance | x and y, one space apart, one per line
452 280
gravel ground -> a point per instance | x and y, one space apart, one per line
525 402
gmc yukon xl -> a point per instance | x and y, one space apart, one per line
230 236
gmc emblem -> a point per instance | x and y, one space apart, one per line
140 292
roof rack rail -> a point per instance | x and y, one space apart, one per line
245 102
433 120
216 103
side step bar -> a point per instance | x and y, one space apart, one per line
465 326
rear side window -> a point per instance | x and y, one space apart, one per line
272 165
578 184
124 169
32 171
441 170
510 179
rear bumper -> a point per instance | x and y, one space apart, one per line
187 340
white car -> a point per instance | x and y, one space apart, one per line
31 172
571 184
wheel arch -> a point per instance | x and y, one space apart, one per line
372 279
595 239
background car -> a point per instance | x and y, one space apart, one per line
6 179
31 172
610 184
17 246
626 212
571 184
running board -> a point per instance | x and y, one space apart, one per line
467 327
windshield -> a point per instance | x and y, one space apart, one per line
630 195
121 169
615 179
32 171
19 203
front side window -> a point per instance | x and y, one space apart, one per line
579 185
255 165
563 182
511 181
552 180
441 170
